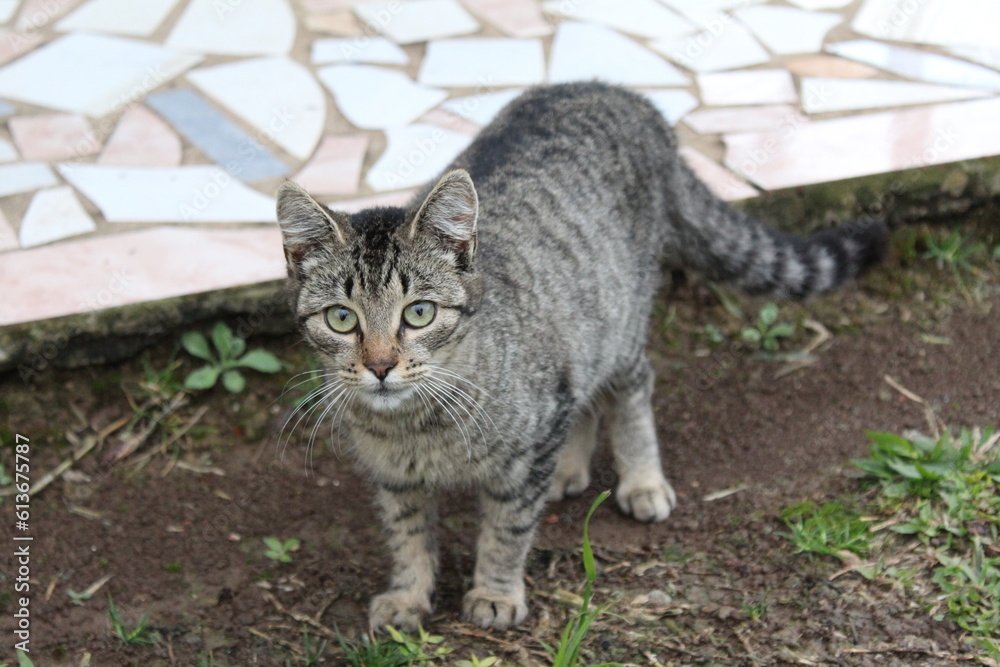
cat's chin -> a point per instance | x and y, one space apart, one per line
386 401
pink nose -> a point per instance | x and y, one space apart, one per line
380 367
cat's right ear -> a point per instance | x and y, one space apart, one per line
306 224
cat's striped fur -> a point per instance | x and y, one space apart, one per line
542 250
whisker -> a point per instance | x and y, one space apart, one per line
326 388
445 387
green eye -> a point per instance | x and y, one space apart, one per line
341 319
419 314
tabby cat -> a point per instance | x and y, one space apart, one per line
476 337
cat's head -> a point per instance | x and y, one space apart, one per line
382 294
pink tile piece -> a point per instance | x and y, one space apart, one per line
335 169
722 182
759 86
341 23
142 139
517 18
861 145
744 119
54 136
450 121
37 13
8 239
134 267
14 43
323 6
398 198
830 67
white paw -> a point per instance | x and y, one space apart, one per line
403 610
492 610
569 484
646 496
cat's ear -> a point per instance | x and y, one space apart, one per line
449 213
306 224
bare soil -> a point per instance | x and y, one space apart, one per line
178 527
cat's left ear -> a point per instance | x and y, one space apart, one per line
306 224
450 213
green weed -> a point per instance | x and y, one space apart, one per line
473 661
766 333
400 650
568 652
954 252
226 361
831 529
280 550
140 634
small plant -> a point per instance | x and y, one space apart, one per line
311 654
767 332
78 598
568 653
755 608
400 650
228 358
280 550
831 529
23 660
140 634
954 252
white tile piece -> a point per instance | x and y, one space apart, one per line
254 28
8 239
164 194
277 96
481 61
831 150
375 98
342 50
61 74
481 109
821 95
645 18
24 177
978 54
744 119
7 9
916 64
705 51
398 198
7 151
672 104
785 30
122 17
709 14
763 86
723 183
53 215
417 20
583 51
414 155
820 4
941 22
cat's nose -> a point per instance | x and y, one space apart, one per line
380 367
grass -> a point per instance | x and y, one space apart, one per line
138 635
398 650
943 492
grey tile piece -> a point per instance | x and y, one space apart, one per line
204 126
6 109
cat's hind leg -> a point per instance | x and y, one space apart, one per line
572 475
643 492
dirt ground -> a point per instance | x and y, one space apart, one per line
178 524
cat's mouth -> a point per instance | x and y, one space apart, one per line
386 397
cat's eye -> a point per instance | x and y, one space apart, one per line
419 314
341 319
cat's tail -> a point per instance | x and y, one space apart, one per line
727 245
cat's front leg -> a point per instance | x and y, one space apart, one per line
508 529
409 519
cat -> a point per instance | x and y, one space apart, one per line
475 337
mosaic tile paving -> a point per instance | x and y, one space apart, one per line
187 114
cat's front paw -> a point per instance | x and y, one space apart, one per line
493 610
646 496
569 484
403 610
